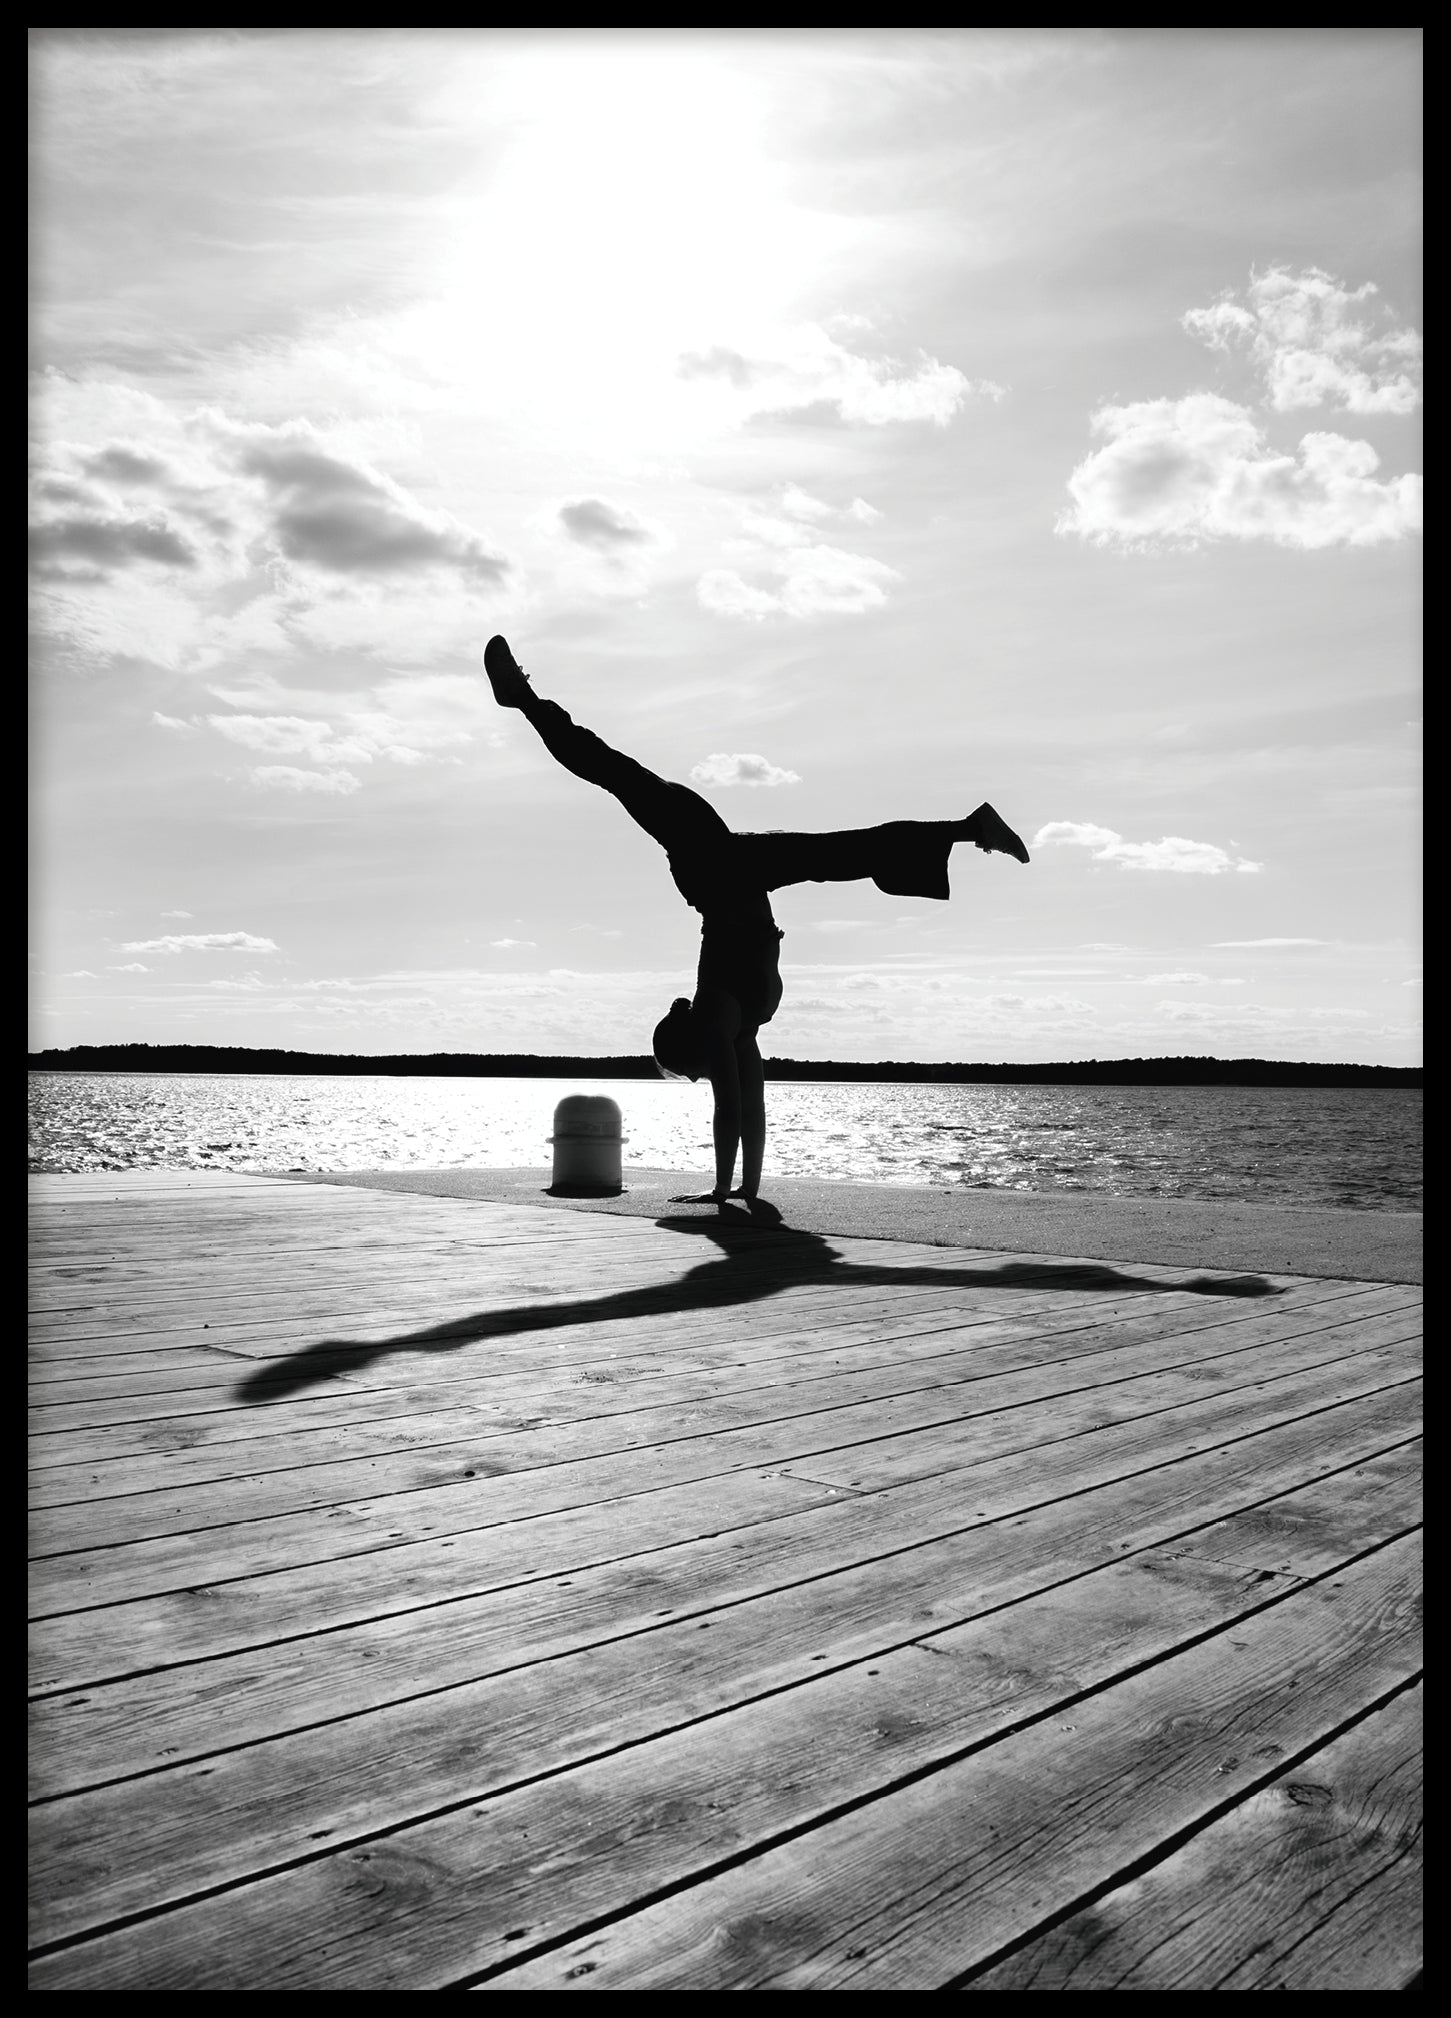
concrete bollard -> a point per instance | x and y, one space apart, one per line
587 1142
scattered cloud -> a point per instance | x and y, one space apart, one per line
189 538
1269 942
514 942
130 967
176 914
743 769
1181 471
241 984
607 528
795 574
1316 342
288 778
362 736
1183 980
91 546
329 511
202 942
1173 854
171 722
805 367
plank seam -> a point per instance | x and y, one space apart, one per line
775 1839
1176 1841
356 1499
677 1617
319 1462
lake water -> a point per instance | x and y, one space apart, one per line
1351 1146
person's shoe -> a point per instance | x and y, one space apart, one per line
994 836
506 675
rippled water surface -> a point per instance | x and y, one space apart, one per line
1350 1146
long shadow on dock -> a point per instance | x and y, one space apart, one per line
756 1263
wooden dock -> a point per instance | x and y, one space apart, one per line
436 1594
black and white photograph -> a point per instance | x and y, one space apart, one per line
724 1008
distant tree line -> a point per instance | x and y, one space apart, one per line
525 1065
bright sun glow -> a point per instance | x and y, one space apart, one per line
635 216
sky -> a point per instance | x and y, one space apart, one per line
854 424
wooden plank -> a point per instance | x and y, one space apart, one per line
810 1318
900 1402
146 1326
175 1627
851 1559
900 1890
911 1890
831 1335
94 1576
131 1847
857 1368
910 1438
1313 1883
869 1466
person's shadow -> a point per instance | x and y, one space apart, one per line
756 1261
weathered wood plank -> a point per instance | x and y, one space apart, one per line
1000 1364
858 1409
911 1890
902 1891
834 1338
852 1554
893 1459
143 1843
92 1576
305 1599
1313 1883
811 1317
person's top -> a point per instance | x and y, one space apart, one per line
740 941
740 948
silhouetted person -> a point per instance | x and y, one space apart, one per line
727 878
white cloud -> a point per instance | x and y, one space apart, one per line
334 512
130 967
804 367
287 778
744 769
1316 342
514 942
1269 942
796 576
291 735
607 528
202 942
1183 980
363 735
176 914
1199 468
1173 854
171 722
188 539
799 504
242 984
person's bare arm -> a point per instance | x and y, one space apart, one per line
752 1078
717 1017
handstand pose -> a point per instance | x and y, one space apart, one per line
727 878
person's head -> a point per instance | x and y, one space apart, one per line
676 1043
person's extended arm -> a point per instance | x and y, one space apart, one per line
753 1112
725 1084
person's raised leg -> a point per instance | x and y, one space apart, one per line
672 814
904 858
